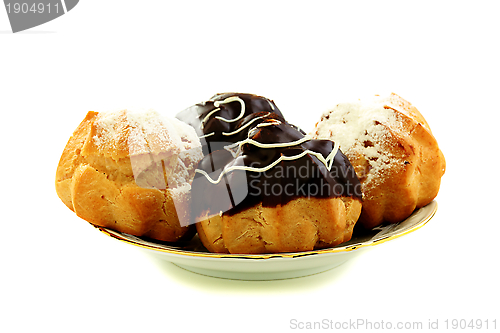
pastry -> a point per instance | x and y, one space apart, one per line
393 151
275 191
131 171
217 121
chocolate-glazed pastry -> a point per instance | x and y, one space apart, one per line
253 120
275 191
217 119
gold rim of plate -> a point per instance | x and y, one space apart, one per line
338 249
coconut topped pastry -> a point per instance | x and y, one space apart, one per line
395 155
275 191
131 171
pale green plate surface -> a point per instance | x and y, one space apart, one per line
194 257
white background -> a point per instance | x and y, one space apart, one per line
58 274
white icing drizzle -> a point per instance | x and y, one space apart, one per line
229 100
208 116
328 161
217 104
239 129
226 101
271 123
206 135
246 125
264 145
254 130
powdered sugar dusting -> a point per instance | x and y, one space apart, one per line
106 127
361 128
157 144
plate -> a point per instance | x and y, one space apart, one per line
193 257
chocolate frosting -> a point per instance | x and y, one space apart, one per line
271 162
216 119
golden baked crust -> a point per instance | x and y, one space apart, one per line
396 157
119 174
303 224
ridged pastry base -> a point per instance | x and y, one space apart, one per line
303 224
